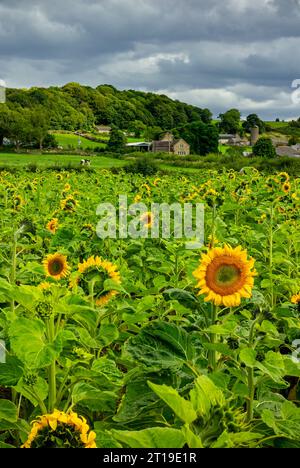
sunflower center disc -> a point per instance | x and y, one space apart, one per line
56 267
227 275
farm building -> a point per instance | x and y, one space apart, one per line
103 129
169 145
140 146
232 139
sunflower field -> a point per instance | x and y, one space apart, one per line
132 343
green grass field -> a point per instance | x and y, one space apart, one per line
277 125
69 140
43 160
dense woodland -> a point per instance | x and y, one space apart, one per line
74 106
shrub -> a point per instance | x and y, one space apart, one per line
264 148
142 166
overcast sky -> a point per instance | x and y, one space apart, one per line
211 53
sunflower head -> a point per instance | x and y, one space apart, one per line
147 187
225 276
156 182
60 430
56 266
283 177
52 226
286 187
147 219
137 198
44 286
88 230
18 202
296 300
90 277
69 204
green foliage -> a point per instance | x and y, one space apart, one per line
253 121
293 140
230 121
203 138
264 148
73 107
145 166
117 141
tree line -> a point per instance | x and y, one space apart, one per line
29 114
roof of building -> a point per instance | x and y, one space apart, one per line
227 135
138 144
287 151
167 144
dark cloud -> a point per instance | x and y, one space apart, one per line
224 53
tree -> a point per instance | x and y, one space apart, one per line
206 116
203 138
137 128
152 133
264 148
253 121
230 121
117 141
4 119
19 128
40 126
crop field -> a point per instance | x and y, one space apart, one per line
140 341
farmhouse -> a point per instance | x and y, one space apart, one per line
169 145
103 129
232 139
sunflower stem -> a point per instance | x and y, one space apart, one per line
271 235
213 227
250 372
212 355
14 266
52 370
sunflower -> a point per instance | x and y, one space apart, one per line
60 430
94 272
212 240
225 276
59 177
295 299
44 286
283 177
156 181
56 266
147 219
137 198
18 202
69 203
147 187
67 187
286 187
52 226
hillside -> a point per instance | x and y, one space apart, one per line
74 106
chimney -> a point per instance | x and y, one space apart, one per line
254 135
